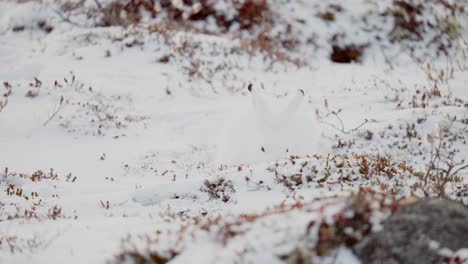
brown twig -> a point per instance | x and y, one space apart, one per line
61 105
342 127
442 168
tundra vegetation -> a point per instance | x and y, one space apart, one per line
112 114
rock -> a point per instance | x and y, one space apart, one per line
408 235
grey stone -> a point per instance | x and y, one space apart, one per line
407 234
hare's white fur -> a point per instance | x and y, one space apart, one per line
260 133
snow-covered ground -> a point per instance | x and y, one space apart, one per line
116 141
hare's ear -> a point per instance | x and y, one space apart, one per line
260 107
292 107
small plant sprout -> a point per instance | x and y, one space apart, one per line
35 88
61 105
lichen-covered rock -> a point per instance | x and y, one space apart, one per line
417 232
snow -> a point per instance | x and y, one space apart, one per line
167 155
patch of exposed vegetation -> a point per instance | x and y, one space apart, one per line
31 196
18 245
334 220
219 189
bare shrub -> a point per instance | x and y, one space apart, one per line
443 166
218 189
435 23
248 13
253 16
433 94
407 24
336 114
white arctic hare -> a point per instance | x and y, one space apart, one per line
260 134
